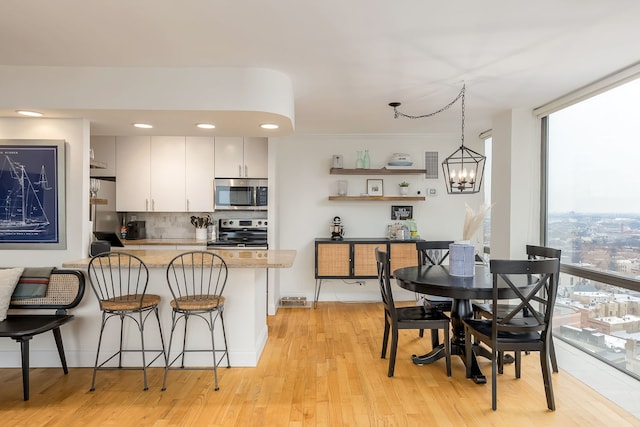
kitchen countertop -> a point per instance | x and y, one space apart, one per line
366 240
185 242
235 258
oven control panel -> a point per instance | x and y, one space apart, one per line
233 223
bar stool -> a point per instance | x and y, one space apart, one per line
197 280
119 281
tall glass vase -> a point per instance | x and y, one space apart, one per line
359 161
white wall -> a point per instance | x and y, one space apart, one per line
515 195
76 134
303 211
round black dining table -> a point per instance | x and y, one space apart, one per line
436 280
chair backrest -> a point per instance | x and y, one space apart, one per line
384 278
65 290
537 298
118 276
433 252
539 252
197 275
543 252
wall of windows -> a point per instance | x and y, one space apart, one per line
593 215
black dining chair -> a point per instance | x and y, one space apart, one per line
413 317
486 309
434 252
197 280
119 281
512 332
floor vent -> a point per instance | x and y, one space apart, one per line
293 301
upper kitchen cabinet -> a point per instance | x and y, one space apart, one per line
133 173
150 174
237 157
168 191
199 174
104 154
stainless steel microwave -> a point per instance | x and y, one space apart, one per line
241 194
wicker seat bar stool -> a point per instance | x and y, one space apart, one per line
197 280
119 281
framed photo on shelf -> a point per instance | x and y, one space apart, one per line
374 187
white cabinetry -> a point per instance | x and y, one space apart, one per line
168 174
199 174
256 157
133 173
150 174
241 157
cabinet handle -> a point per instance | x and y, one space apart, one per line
146 204
246 171
240 171
187 205
153 205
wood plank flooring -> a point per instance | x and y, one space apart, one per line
320 368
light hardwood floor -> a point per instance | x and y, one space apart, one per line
320 367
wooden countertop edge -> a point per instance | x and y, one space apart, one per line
159 242
237 258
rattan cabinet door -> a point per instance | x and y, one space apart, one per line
333 260
402 255
364 259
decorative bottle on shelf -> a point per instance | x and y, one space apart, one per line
359 161
123 228
366 163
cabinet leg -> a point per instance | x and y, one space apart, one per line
316 292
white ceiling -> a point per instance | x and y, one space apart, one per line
346 59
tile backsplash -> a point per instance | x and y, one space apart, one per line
177 225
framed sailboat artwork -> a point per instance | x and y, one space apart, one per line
32 194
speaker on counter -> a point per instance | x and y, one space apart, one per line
99 247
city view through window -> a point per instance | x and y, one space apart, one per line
593 216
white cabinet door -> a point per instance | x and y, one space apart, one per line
104 151
199 174
238 157
133 177
168 174
255 157
229 157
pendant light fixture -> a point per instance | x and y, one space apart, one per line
464 168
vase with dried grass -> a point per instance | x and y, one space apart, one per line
462 253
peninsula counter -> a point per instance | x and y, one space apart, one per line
245 311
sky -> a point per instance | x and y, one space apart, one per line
594 152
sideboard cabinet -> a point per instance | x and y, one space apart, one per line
355 258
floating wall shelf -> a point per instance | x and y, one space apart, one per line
383 171
379 198
97 165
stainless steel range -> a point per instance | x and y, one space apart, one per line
241 233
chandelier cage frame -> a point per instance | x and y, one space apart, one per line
464 168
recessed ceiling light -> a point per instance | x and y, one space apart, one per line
30 113
269 126
143 125
206 126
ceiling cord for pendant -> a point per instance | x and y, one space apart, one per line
397 113
464 169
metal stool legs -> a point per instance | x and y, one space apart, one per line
143 315
210 320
